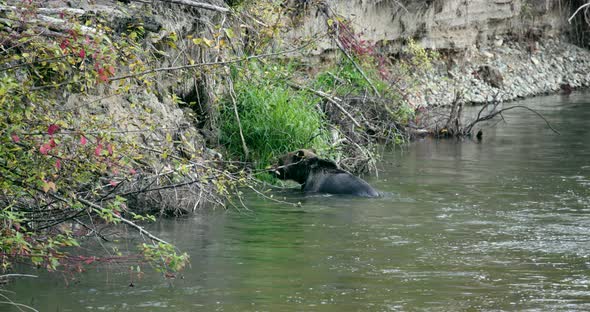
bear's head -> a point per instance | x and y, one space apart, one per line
298 165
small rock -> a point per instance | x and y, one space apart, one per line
487 54
498 42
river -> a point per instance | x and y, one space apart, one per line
501 225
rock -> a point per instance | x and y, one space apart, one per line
491 75
498 42
487 54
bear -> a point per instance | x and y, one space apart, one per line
317 175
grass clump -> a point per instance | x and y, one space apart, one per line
344 79
275 119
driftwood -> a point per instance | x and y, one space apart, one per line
47 10
52 22
60 24
584 7
199 5
469 128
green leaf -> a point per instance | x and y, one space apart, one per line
229 33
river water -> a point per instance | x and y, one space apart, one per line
501 225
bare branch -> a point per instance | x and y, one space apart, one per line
330 99
499 112
585 6
17 275
232 95
140 229
199 5
237 60
358 68
90 204
47 10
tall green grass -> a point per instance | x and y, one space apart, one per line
275 119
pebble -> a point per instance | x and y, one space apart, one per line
524 75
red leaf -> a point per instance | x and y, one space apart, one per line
44 149
98 149
113 183
102 75
57 164
111 70
83 140
132 171
53 128
52 143
15 138
64 44
110 149
82 53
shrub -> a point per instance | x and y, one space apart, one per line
275 119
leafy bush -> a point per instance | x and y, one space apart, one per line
60 168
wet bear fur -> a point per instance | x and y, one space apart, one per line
317 175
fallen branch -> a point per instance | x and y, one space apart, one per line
46 10
199 5
330 99
52 22
17 275
585 6
329 15
61 24
358 68
469 128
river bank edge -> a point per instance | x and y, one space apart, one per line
506 71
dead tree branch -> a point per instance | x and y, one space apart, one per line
200 5
467 130
232 95
358 68
47 10
582 7
329 99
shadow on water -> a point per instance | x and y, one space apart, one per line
497 226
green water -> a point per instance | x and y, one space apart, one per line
499 226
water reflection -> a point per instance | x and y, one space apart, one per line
500 225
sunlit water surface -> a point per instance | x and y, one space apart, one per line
501 225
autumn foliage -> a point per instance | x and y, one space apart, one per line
61 172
